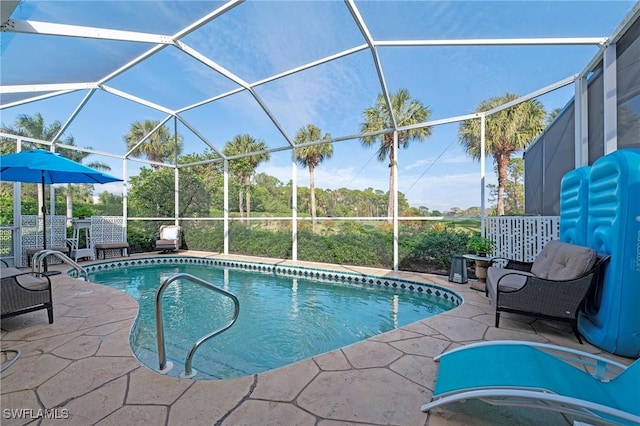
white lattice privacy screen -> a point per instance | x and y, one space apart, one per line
6 241
521 237
32 233
104 229
107 229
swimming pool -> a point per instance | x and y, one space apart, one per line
287 314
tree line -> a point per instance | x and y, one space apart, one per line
151 192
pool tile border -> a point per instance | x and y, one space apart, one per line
317 274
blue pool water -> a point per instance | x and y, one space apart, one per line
282 319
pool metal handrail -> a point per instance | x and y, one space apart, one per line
38 262
11 361
162 357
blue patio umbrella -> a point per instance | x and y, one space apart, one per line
46 167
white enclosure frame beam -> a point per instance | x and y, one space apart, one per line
74 114
581 122
147 136
184 32
278 76
199 135
312 64
294 205
610 100
237 80
545 41
176 175
48 28
136 99
394 171
355 13
176 196
483 146
532 95
17 215
125 196
225 213
35 99
46 87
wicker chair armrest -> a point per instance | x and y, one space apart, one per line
519 265
498 261
506 263
553 298
16 297
38 275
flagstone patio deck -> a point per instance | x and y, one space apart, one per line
80 369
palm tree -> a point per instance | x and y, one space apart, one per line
244 167
160 147
33 126
407 111
311 156
507 131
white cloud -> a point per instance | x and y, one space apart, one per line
420 164
447 158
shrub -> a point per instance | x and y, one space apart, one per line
434 249
259 242
429 249
204 236
139 240
363 247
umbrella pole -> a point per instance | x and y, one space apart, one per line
44 222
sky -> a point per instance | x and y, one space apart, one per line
260 39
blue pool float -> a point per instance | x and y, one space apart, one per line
611 317
574 203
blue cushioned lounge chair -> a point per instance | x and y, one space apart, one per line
540 375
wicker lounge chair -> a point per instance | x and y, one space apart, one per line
584 386
554 286
170 238
23 292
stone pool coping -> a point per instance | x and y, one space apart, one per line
81 369
325 274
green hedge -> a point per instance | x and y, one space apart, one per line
432 250
420 249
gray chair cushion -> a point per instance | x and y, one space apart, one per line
563 261
166 244
511 282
